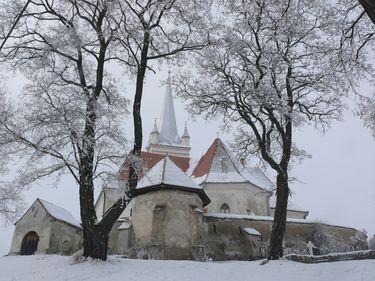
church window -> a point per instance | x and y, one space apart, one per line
131 211
224 167
225 209
250 212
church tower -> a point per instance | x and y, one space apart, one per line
167 140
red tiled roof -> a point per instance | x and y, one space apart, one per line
149 160
204 164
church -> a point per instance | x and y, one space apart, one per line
184 209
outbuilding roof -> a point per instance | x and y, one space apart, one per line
56 212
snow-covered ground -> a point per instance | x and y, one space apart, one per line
59 268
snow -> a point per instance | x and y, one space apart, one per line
199 180
124 225
60 268
166 172
225 177
258 178
225 169
59 213
264 218
251 231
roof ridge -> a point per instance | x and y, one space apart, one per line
164 167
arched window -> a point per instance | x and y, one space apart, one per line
250 212
225 209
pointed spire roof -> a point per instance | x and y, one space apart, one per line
155 129
167 125
166 175
186 132
218 166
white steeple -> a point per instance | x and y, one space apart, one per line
167 125
185 138
167 139
154 136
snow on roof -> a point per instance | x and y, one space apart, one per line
59 213
149 159
219 166
291 205
124 225
267 218
226 177
166 172
251 231
257 177
168 127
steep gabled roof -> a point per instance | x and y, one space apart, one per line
59 213
204 165
218 166
167 175
149 159
56 212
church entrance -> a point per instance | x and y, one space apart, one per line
29 244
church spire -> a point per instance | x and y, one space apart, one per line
185 138
155 129
167 125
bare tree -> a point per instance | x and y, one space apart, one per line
69 116
69 120
11 201
271 71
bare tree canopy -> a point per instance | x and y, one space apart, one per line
358 42
271 70
70 114
71 111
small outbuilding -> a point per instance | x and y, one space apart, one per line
48 229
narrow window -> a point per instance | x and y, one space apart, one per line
225 209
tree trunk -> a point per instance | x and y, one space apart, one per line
96 243
137 118
279 222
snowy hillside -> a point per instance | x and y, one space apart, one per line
59 268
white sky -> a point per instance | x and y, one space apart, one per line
338 182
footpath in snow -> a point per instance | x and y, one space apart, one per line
60 268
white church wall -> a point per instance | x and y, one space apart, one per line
242 198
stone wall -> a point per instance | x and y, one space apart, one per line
165 225
226 239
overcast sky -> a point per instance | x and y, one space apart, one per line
337 185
